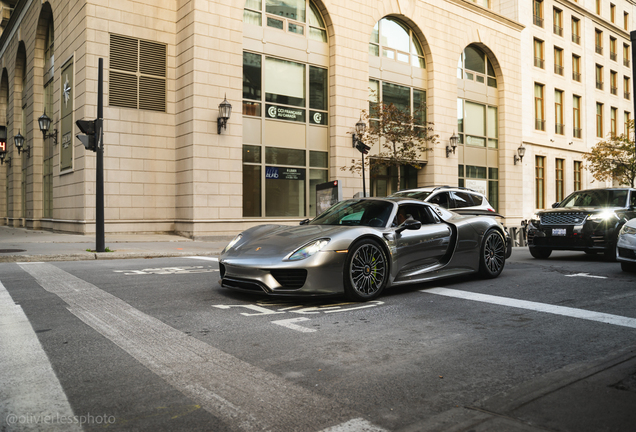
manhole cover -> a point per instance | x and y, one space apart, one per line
11 250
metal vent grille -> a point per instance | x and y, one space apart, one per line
137 74
291 279
570 218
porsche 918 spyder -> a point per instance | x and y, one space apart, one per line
359 247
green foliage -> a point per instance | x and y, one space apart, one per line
613 159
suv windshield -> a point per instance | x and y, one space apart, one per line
413 194
596 198
372 213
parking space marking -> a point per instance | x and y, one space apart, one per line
289 323
355 425
534 306
586 275
203 258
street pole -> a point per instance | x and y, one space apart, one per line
632 37
364 187
99 177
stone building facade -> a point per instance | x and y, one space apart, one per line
298 75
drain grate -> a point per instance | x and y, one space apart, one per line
11 250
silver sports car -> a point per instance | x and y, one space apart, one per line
361 246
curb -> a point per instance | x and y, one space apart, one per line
89 256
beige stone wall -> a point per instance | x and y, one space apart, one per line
171 171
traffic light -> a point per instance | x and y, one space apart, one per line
91 133
362 147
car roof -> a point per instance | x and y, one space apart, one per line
434 188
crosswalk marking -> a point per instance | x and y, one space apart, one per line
245 397
534 306
30 390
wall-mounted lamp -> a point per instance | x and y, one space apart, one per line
3 160
453 144
521 151
18 140
225 110
45 123
570 143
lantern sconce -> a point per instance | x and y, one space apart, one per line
18 140
45 123
225 110
453 144
521 151
3 160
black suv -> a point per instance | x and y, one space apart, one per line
587 220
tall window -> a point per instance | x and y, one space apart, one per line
599 77
474 65
539 112
626 123
598 7
576 68
538 53
613 82
599 120
576 30
598 41
558 61
537 12
291 93
300 17
626 20
577 175
558 113
576 116
539 170
557 17
478 124
612 13
47 168
613 54
394 40
613 115
559 176
625 55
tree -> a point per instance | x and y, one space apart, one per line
614 159
403 137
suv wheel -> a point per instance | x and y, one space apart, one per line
540 253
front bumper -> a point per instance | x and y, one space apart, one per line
597 237
626 248
318 275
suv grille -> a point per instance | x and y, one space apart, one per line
570 218
290 279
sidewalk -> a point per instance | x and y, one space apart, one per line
22 245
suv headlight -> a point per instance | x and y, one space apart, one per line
628 230
232 243
309 249
603 216
535 219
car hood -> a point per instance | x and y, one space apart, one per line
580 210
281 240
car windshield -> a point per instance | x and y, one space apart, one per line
371 213
596 198
412 194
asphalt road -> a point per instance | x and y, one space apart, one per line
155 344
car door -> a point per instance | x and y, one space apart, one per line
417 251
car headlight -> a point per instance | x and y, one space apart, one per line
308 250
628 230
535 219
603 216
232 243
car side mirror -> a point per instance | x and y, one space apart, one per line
409 224
555 205
304 222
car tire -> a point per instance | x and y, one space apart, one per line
540 253
366 271
492 257
628 267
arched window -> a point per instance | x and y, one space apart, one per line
474 65
300 17
396 41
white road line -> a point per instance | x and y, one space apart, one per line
586 275
203 258
538 307
289 323
29 384
245 397
355 425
